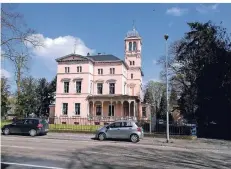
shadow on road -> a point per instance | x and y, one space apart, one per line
114 157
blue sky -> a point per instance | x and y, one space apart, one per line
102 28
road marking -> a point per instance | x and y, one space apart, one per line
25 147
31 165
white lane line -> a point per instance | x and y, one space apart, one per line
30 165
35 148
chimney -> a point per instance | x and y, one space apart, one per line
88 54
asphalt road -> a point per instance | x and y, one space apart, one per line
79 151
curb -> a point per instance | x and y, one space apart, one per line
185 137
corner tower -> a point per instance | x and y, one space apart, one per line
133 46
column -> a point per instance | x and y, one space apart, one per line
122 108
129 114
93 108
102 109
111 107
88 112
115 110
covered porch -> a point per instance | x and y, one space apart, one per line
113 107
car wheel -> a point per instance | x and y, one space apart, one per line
134 138
6 131
32 132
101 136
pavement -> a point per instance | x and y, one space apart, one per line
79 151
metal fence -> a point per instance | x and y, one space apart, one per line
92 124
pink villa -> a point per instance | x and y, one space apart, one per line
102 86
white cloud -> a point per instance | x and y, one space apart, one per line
204 9
176 11
60 46
154 62
5 73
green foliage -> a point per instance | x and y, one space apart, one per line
35 96
205 76
173 97
27 100
5 93
161 113
153 94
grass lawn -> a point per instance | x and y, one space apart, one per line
68 127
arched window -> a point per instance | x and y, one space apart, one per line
130 46
133 62
134 46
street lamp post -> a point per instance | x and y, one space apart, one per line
166 67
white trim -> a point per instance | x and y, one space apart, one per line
77 79
65 80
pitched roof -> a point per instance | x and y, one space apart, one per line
104 58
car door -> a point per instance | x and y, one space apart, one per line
16 128
28 125
114 130
126 130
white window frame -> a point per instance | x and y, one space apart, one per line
79 109
62 109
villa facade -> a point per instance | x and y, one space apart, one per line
102 85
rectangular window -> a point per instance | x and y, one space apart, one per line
78 86
66 87
112 88
65 108
100 71
67 69
111 110
144 114
98 110
131 76
99 88
112 70
79 69
130 62
77 108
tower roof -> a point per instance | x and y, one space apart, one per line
133 33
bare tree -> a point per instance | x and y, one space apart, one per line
15 35
16 42
20 65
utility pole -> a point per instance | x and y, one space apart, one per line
166 67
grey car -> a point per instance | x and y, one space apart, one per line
122 129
